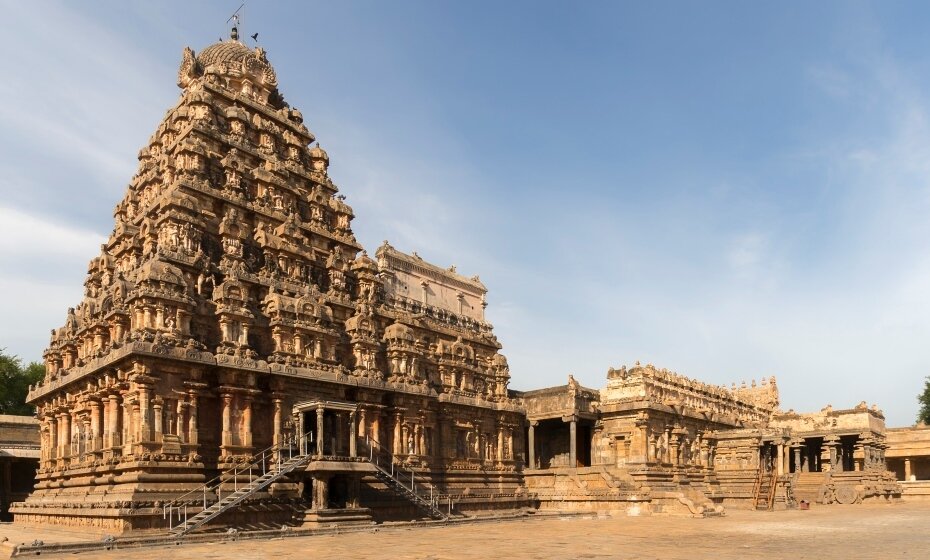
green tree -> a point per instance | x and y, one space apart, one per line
924 400
14 383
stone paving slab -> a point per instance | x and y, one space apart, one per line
840 532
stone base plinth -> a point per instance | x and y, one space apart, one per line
341 516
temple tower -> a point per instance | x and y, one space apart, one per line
230 300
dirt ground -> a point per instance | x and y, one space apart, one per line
848 532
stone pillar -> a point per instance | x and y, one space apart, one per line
95 425
780 459
128 425
531 444
245 437
509 443
319 432
907 468
674 446
573 442
159 421
107 422
192 419
376 426
797 457
145 425
500 443
320 490
227 399
353 435
398 445
66 434
362 427
180 410
54 445
276 438
834 447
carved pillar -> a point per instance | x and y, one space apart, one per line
832 444
192 419
780 459
320 491
797 456
398 446
531 444
353 435
159 420
66 434
674 446
500 443
509 443
319 431
362 428
145 423
129 428
573 442
227 399
339 436
375 432
113 424
642 441
907 468
245 436
53 443
95 425
180 410
276 438
421 437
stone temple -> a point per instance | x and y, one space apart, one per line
238 359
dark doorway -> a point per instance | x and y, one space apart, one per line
583 452
338 492
813 449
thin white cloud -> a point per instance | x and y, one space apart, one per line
26 234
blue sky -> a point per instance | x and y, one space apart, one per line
730 190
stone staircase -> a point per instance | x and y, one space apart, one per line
232 500
403 481
809 486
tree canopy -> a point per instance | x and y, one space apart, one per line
15 379
924 399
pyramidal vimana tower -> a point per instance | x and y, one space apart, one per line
232 310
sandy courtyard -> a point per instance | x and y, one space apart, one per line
847 532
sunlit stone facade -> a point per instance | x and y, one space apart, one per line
232 303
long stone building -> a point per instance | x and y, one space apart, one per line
239 357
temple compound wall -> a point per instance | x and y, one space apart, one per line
232 310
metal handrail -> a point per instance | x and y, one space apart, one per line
389 463
258 459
